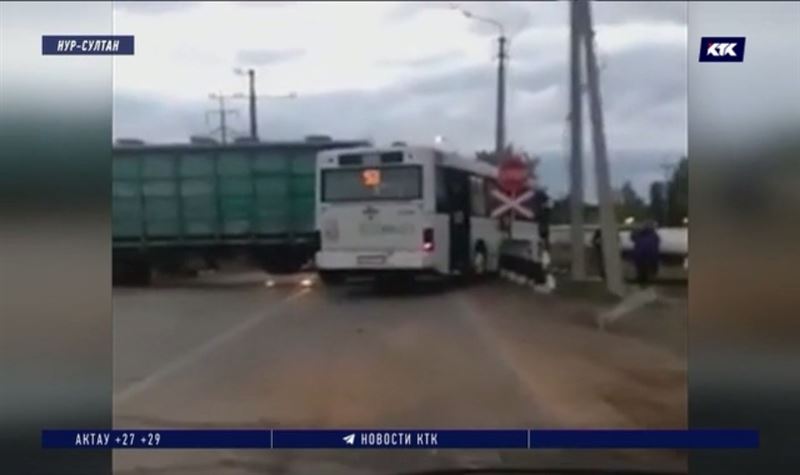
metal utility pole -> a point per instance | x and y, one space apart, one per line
608 222
251 76
252 98
223 112
576 154
500 133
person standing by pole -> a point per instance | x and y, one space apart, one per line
542 210
646 252
597 247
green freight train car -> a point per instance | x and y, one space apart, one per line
174 204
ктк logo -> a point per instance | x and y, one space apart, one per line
722 49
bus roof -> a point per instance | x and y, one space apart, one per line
449 159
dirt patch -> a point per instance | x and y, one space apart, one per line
628 376
653 398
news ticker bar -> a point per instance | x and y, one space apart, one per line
400 439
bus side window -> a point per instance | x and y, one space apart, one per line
491 201
442 202
478 196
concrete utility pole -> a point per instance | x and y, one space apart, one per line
502 56
253 124
608 221
576 153
223 113
500 133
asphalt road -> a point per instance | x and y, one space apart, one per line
228 352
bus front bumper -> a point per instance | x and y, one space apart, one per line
376 260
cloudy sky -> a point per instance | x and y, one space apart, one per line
406 71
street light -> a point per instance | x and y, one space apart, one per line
487 20
500 121
251 74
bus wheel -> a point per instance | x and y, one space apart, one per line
331 278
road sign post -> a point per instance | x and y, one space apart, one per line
512 174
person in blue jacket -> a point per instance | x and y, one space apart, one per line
646 249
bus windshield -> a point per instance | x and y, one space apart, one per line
366 184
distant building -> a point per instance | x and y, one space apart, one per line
129 142
202 140
318 138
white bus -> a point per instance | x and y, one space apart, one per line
407 210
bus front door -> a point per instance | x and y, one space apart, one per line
459 207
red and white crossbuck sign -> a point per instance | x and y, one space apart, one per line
510 203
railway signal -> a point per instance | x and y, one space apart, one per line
513 204
512 177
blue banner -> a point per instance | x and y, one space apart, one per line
399 439
156 439
87 44
644 439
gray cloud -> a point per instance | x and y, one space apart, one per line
644 99
155 119
522 16
624 12
426 61
536 79
408 10
514 16
269 4
640 106
154 8
260 57
466 118
460 80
